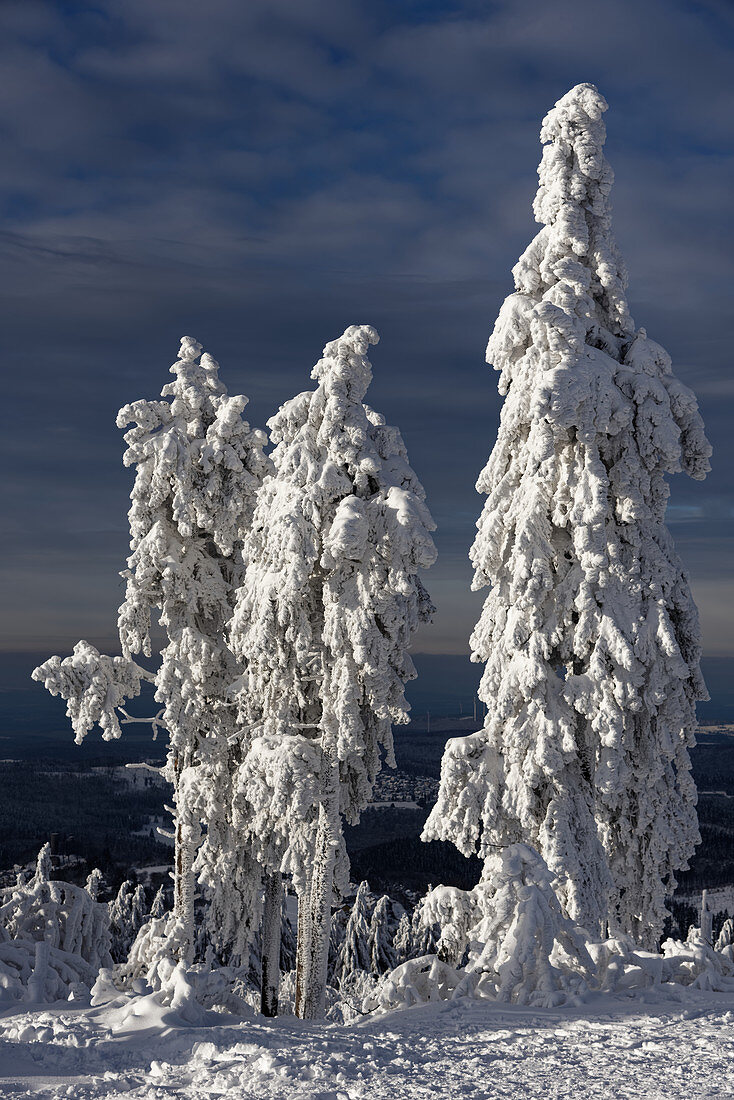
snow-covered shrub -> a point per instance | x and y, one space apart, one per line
695 963
154 966
53 937
416 981
725 941
154 952
620 965
524 948
453 912
32 970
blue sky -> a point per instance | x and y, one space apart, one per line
260 175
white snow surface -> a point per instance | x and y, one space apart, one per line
613 1047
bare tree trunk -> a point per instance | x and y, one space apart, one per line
271 944
325 848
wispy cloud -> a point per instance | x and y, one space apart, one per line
261 175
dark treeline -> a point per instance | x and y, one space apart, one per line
94 813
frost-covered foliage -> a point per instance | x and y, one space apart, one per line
337 930
154 953
424 931
93 685
94 883
589 634
158 907
509 940
323 621
198 467
726 936
402 943
54 937
449 913
695 963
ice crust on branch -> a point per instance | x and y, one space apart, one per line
589 634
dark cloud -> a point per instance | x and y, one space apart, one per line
260 175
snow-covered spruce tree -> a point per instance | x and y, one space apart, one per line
158 908
589 633
354 953
402 943
384 923
94 882
123 926
198 467
514 946
323 622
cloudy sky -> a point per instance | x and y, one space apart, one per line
260 175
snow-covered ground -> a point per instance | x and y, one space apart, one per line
464 1049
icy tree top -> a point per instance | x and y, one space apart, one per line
566 339
576 253
199 466
195 454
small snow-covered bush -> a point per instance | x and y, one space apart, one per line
53 937
619 965
453 912
524 948
519 943
416 981
725 941
155 967
697 964
36 972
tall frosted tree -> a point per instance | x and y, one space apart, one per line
323 621
589 634
198 467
